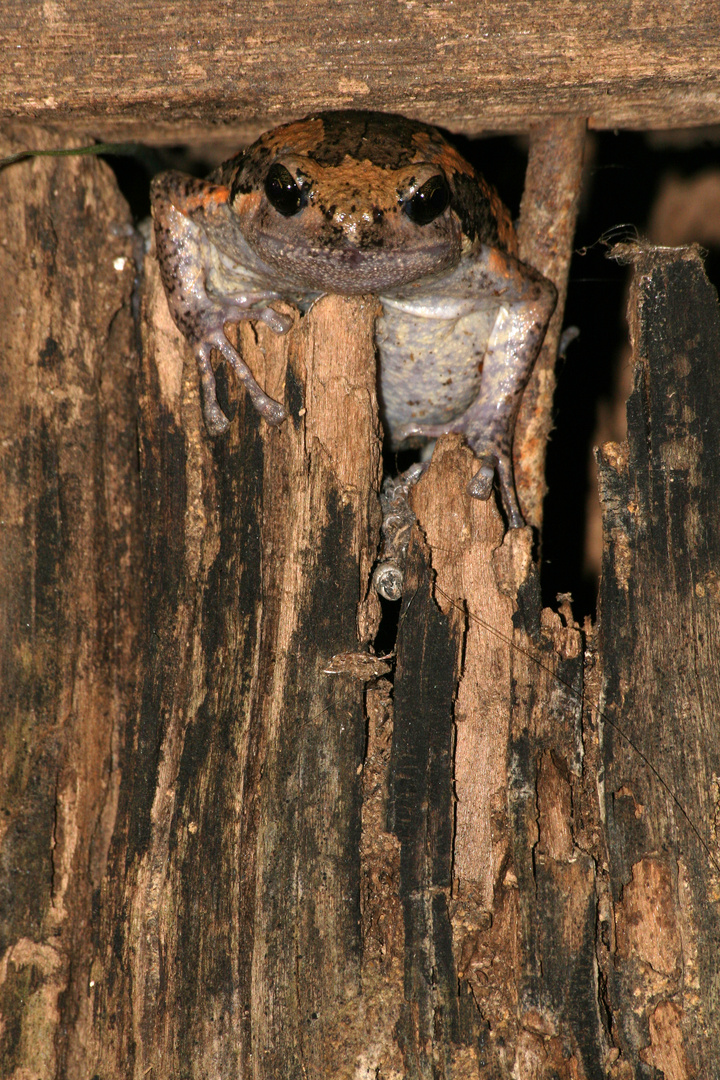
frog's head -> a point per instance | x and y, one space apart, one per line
351 202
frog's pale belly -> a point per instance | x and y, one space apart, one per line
430 367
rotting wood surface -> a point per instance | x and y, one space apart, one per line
658 640
218 860
70 585
241 873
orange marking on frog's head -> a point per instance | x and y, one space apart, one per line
246 203
300 137
208 199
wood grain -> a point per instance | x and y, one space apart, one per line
70 582
546 230
216 858
657 639
234 901
184 71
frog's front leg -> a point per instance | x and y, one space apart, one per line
206 287
520 302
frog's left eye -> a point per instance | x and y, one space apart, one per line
429 201
283 191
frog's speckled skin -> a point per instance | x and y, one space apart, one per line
462 319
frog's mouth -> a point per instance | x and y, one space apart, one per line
342 267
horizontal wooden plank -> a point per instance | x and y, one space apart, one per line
179 69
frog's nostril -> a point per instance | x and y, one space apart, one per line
350 226
355 220
358 229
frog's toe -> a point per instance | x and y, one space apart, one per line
216 421
480 487
504 468
279 324
271 410
496 461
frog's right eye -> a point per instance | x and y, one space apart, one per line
283 191
429 202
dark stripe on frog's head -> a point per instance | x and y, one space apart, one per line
383 139
471 201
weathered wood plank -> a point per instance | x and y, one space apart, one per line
70 586
189 883
182 71
230 925
658 646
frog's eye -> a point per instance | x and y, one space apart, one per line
429 201
283 192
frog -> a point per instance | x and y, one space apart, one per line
358 202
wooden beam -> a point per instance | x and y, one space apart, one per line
184 70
